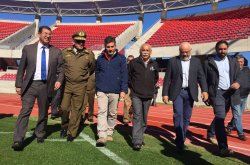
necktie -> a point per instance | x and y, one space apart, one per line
43 64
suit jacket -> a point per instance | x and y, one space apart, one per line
212 76
27 68
173 78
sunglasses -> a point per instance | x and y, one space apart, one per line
79 41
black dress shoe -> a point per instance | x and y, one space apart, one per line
54 116
70 138
137 147
181 149
63 133
17 146
40 140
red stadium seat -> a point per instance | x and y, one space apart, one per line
231 25
8 28
95 33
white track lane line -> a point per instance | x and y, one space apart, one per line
104 150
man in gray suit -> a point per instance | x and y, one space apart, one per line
36 79
181 81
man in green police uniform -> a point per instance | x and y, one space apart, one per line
79 64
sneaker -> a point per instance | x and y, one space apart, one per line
17 146
109 138
228 131
212 140
125 121
226 152
137 147
242 137
101 142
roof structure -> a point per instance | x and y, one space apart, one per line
95 7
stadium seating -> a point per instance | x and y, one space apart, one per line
231 25
95 33
8 77
8 28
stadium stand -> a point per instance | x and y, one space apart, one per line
231 25
95 34
8 77
8 28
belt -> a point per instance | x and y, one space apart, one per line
222 89
42 81
186 88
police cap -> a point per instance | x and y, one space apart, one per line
81 35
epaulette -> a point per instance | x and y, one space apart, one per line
67 49
87 51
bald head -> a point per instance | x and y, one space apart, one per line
145 51
185 50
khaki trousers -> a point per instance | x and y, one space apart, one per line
127 106
107 113
72 102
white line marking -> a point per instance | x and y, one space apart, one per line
238 148
64 140
29 134
6 132
104 150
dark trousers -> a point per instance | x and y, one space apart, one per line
140 115
211 130
89 100
221 107
182 113
37 90
56 101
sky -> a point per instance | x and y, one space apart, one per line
149 18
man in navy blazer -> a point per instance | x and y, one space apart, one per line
182 77
37 79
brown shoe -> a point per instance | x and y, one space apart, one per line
125 121
101 142
212 140
109 138
226 152
89 121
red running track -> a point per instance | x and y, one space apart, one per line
160 123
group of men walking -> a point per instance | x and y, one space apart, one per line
45 69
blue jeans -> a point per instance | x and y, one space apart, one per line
236 121
182 105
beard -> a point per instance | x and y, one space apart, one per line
185 58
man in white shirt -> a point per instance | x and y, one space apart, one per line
181 81
36 79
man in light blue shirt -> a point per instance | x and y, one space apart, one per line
223 79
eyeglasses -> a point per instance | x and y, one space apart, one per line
79 41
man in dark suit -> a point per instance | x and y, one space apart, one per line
223 79
181 81
36 79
